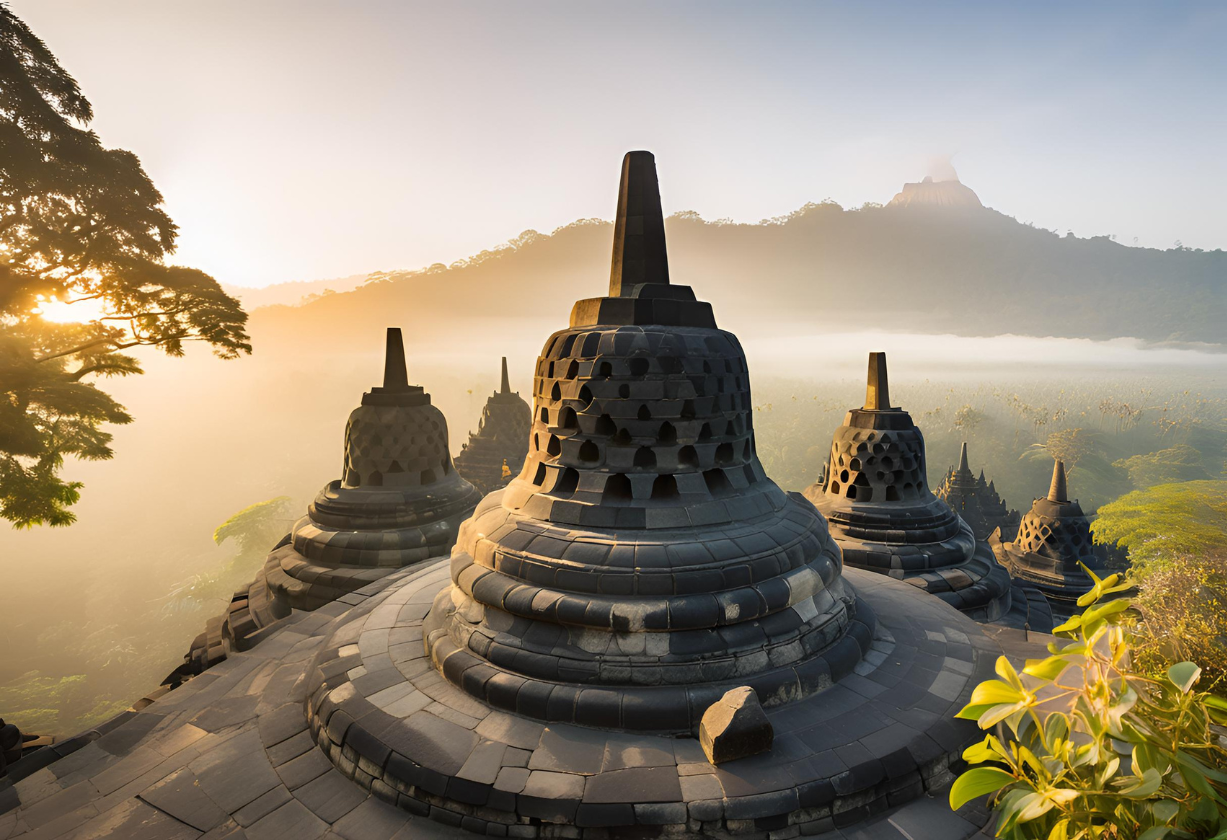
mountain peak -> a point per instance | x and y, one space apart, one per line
930 193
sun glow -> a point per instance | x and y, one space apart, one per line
60 312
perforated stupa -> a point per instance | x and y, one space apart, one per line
875 494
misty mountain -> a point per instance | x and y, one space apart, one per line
913 266
293 292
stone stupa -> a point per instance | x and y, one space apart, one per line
496 451
1054 538
399 501
976 501
640 572
875 494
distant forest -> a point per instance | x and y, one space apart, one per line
966 271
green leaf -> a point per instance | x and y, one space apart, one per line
1165 810
1104 611
1140 788
1033 806
993 692
1183 675
976 783
983 751
1157 832
1006 671
1068 627
1046 669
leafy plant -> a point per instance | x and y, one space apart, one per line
1098 750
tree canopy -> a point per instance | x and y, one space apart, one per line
1188 519
78 223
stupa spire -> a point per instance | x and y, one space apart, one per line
639 228
395 374
505 387
877 388
963 466
1057 492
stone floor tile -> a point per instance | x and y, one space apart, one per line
331 796
259 809
134 765
177 739
290 748
372 820
62 826
291 821
179 795
306 768
569 749
236 772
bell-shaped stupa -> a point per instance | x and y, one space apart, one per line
1053 542
977 501
496 451
875 494
642 601
399 501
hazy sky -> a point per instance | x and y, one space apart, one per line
301 140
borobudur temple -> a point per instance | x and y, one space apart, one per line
641 635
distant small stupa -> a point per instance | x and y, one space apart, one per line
498 448
1053 543
976 500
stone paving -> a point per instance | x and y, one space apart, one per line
230 753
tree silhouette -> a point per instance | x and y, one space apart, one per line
78 222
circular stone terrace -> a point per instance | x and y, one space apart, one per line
386 718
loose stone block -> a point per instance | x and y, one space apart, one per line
735 726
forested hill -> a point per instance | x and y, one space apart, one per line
965 270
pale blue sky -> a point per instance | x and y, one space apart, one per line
300 140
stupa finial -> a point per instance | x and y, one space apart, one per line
1058 491
877 389
963 466
639 228
395 375
505 387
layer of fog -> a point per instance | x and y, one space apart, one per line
212 437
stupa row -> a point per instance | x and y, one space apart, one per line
635 633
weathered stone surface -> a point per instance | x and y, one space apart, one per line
735 727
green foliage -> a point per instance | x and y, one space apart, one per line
1095 748
254 530
34 701
79 225
256 527
1177 539
1168 520
1178 463
1184 602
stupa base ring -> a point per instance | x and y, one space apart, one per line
880 737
